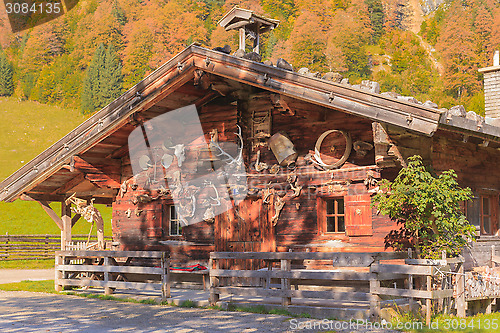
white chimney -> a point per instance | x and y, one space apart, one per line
492 87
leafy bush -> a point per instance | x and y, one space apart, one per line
427 209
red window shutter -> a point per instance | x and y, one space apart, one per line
358 215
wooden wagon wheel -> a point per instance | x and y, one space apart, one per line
344 158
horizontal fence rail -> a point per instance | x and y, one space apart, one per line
140 270
367 279
33 247
287 275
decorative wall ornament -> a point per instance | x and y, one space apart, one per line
275 169
279 203
283 148
87 211
316 158
230 160
260 166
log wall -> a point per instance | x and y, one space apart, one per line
144 225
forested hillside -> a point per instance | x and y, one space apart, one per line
433 56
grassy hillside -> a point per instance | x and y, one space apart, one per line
26 129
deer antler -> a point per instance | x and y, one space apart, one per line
239 159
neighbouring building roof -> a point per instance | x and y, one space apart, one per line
102 139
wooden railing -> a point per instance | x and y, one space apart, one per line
348 277
288 268
429 280
114 270
33 247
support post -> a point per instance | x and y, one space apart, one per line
256 42
461 292
285 283
242 39
214 297
100 233
66 224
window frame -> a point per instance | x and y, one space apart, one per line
171 208
492 215
322 215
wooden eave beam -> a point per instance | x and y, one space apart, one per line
96 175
469 127
328 94
80 177
75 219
53 215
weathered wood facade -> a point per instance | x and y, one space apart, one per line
299 206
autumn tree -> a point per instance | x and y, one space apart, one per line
6 75
483 21
456 44
308 43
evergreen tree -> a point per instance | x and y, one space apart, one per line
91 91
6 76
112 78
103 80
377 18
119 13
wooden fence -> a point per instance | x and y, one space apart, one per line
363 278
32 247
140 270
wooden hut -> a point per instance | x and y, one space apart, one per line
338 140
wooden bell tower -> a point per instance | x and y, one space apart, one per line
249 24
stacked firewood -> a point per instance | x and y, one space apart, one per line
483 282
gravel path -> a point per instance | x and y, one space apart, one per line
18 275
38 312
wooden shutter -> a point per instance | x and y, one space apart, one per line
358 215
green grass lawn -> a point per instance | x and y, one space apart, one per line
27 264
26 129
45 286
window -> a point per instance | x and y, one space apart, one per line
335 217
350 215
481 212
175 223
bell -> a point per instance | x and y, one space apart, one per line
283 148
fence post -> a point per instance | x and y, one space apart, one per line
58 274
374 298
428 302
107 289
214 296
461 291
411 301
165 276
285 282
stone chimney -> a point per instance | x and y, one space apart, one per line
492 87
249 24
